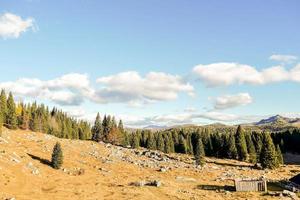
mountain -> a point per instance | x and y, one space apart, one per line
277 123
155 127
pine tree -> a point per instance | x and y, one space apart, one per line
268 157
232 151
251 149
160 144
1 122
120 126
57 156
182 145
241 144
279 155
3 105
151 143
135 141
11 117
199 153
97 129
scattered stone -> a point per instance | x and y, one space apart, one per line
155 183
185 179
163 169
139 183
289 194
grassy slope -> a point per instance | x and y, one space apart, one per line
112 182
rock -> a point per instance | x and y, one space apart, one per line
163 169
155 183
185 179
139 183
289 194
35 172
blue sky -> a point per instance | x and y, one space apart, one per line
160 43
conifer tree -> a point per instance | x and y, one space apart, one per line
97 129
135 141
3 105
279 155
241 144
1 122
160 144
57 156
251 149
120 126
182 145
199 153
11 117
151 143
268 157
232 151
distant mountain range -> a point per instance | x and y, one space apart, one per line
274 123
279 120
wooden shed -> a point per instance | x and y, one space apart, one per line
250 185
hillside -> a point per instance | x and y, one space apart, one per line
102 171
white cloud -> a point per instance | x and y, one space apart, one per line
65 90
190 109
188 118
11 26
230 101
132 88
223 74
283 58
126 87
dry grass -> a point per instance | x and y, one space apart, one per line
26 175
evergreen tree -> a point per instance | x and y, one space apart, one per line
57 156
11 117
268 157
251 149
1 123
182 145
97 129
232 151
120 126
151 143
3 105
135 141
279 155
160 143
241 144
199 153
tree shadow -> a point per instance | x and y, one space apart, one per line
216 187
42 160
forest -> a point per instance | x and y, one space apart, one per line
245 145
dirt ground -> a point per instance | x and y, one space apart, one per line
100 171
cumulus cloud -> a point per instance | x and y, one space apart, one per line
222 74
11 25
127 87
188 118
283 58
131 87
230 101
65 90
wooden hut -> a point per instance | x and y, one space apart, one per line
250 185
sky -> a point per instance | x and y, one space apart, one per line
154 62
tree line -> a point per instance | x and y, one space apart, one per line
40 118
55 122
253 147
